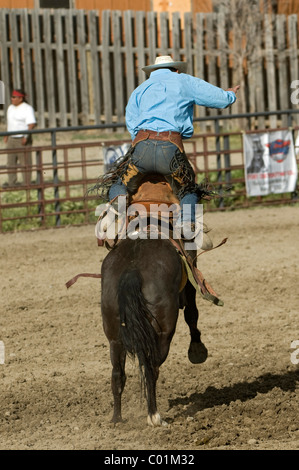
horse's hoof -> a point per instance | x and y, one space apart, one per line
197 353
116 420
156 420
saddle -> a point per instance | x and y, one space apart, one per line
157 197
154 189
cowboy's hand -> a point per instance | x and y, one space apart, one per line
234 89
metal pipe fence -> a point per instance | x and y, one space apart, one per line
80 67
58 194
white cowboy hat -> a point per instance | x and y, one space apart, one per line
165 61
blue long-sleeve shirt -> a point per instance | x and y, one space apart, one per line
165 102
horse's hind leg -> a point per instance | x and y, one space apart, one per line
153 417
118 379
197 352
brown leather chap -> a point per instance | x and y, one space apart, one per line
170 136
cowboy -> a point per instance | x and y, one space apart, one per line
159 115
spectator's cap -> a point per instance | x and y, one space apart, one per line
165 61
18 93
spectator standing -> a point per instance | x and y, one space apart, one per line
20 116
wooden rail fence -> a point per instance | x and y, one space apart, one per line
62 174
79 67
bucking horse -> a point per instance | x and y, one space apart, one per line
145 282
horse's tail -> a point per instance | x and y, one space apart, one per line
136 331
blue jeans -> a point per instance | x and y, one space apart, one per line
162 157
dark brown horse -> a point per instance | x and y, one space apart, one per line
143 287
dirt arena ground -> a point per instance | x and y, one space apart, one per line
55 380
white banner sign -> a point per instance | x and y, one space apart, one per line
270 163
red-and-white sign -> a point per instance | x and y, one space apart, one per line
270 163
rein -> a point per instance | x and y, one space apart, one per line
194 274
